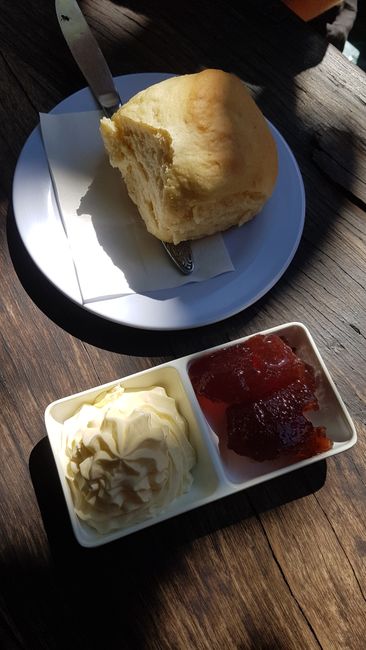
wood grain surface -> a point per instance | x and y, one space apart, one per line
281 565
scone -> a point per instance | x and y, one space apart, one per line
196 154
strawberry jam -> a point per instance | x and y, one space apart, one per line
255 395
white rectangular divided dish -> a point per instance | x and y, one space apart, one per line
217 473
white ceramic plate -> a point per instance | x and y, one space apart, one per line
261 250
217 473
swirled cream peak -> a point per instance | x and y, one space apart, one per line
127 456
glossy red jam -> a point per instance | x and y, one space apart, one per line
256 394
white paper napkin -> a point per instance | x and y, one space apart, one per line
113 253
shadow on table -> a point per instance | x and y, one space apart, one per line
103 333
134 566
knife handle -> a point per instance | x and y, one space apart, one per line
110 103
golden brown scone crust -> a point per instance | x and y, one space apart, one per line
196 154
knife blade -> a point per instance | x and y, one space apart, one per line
94 67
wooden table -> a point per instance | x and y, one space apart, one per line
281 565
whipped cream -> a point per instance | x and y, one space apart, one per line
126 457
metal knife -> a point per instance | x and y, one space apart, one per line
94 67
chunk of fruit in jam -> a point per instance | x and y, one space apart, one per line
247 371
256 395
269 427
